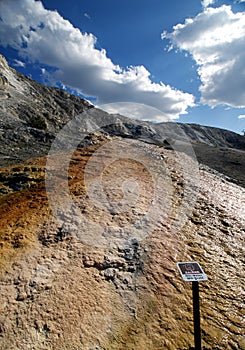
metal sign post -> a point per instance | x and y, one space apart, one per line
192 272
196 315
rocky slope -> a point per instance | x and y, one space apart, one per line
113 284
88 250
31 114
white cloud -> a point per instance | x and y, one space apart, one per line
135 111
18 63
242 116
206 3
87 15
216 40
44 36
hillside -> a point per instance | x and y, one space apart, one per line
90 235
31 114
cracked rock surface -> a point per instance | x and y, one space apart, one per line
72 284
89 245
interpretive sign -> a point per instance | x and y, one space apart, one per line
191 271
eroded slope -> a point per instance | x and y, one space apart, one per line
107 279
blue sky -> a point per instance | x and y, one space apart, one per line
187 61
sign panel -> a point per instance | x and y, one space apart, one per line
191 271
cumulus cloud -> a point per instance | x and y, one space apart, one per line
135 111
241 116
206 3
216 39
44 36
